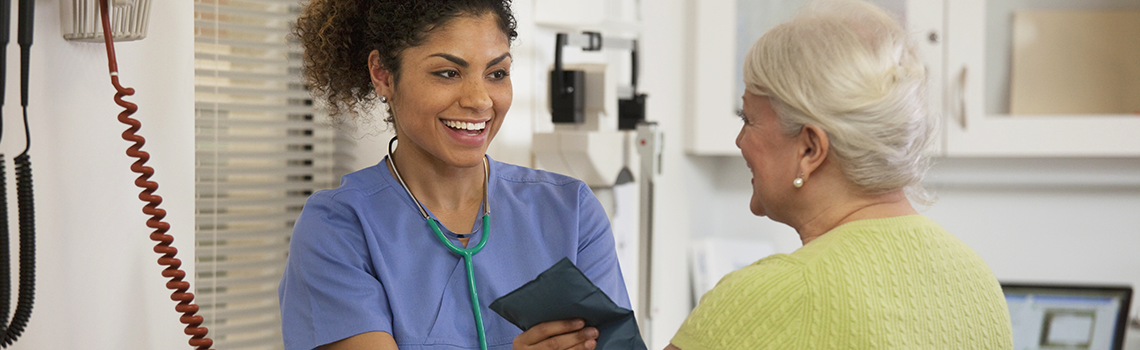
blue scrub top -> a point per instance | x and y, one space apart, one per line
363 259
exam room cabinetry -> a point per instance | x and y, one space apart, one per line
977 70
965 45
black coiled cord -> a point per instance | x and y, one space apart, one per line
27 250
5 271
10 331
27 213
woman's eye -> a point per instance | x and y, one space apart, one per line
499 74
448 74
740 113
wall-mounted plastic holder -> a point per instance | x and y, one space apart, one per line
79 20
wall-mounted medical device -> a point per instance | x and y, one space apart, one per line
574 91
593 111
600 134
130 24
631 110
568 86
11 330
79 20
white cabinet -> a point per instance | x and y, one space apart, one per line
967 46
712 124
979 40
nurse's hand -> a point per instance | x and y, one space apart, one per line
560 335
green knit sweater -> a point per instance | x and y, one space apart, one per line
895 283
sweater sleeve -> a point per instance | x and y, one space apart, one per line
758 307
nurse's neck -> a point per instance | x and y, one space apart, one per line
453 194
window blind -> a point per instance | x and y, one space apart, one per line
260 152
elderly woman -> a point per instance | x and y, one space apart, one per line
835 132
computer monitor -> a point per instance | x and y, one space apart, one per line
1054 316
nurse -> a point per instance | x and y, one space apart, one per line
365 270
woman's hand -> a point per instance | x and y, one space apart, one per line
558 335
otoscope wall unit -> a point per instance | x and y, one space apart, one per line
79 20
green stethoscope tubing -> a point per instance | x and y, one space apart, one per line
466 253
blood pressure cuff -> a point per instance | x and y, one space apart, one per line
563 292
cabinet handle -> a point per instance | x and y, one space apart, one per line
962 98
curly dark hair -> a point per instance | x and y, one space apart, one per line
338 35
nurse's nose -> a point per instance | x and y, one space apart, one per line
475 96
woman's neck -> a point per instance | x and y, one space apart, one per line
438 186
843 209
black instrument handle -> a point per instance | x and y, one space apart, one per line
5 32
633 66
27 27
559 85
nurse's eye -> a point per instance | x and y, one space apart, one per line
448 74
499 74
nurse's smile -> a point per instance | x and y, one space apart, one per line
469 133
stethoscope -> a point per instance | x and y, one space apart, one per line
466 253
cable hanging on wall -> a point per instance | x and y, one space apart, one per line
176 283
9 331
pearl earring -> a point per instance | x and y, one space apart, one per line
383 99
799 181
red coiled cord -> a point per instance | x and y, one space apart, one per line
185 299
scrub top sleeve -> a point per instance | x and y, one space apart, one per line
329 290
597 254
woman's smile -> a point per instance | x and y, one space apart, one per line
469 133
470 127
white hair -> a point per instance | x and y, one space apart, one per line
849 68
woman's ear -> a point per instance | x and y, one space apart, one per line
813 148
382 79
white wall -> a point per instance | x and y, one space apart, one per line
98 285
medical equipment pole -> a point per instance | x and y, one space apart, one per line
649 144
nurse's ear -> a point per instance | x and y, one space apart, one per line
383 80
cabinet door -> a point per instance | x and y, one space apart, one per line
979 62
712 122
723 31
